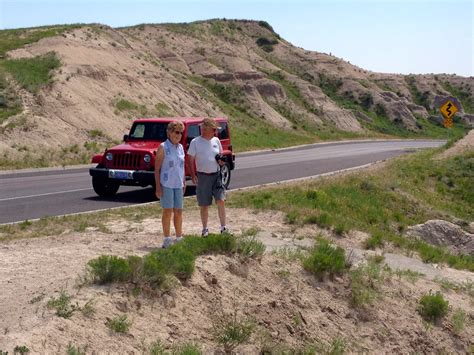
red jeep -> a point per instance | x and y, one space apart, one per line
133 162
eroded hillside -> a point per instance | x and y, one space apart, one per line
240 69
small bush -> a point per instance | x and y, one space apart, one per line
109 268
433 307
366 283
250 248
119 324
230 331
187 349
72 350
374 241
157 348
20 350
459 320
325 259
62 305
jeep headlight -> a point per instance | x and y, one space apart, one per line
147 158
109 156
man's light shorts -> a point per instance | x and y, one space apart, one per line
171 198
209 186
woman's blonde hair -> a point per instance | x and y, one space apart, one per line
172 126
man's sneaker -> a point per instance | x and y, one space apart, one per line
205 232
178 239
167 242
225 230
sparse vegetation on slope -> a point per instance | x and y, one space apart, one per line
409 191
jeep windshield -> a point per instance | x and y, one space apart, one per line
155 131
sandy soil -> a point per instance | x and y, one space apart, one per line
288 305
464 145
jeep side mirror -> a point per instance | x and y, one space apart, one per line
125 137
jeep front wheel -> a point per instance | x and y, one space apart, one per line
225 175
104 187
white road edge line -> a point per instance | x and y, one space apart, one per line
46 194
230 191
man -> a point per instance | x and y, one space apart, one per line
205 174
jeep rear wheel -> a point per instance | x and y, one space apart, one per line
104 187
225 175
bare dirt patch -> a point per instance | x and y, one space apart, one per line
288 305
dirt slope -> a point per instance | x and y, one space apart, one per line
288 305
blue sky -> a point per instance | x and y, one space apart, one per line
417 36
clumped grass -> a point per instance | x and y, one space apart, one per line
88 309
374 241
231 330
21 349
160 269
32 73
72 350
187 349
109 268
130 107
433 307
410 275
62 305
458 320
249 247
366 285
325 259
119 324
156 348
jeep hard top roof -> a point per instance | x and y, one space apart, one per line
183 119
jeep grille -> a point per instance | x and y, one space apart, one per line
127 160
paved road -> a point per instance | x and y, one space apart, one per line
35 194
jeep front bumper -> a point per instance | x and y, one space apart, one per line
125 177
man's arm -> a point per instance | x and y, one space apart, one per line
191 168
158 163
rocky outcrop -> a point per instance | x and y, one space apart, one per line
444 234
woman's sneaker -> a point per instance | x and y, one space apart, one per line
225 230
167 242
205 232
178 239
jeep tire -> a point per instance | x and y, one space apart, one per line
225 175
104 187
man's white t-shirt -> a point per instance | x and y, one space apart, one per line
204 151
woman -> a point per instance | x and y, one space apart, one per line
170 181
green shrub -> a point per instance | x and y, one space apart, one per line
250 248
120 324
187 349
157 348
376 240
21 349
325 259
366 283
109 268
433 307
230 331
62 305
458 320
